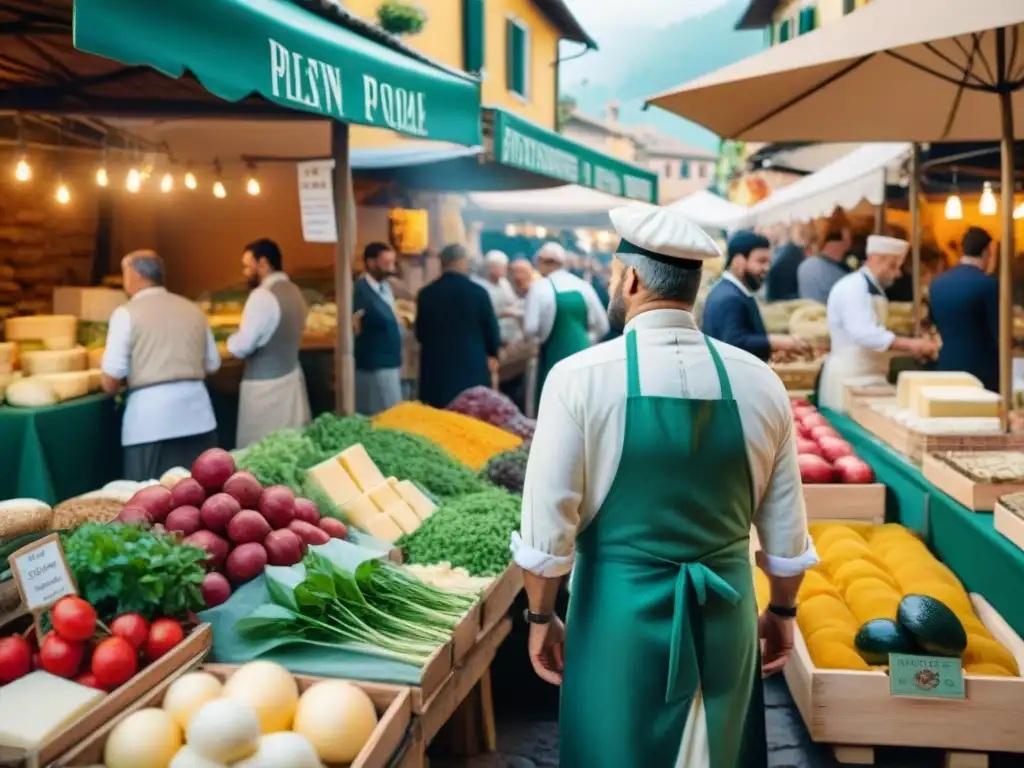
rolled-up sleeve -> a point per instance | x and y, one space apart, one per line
260 318
859 319
212 357
117 353
553 489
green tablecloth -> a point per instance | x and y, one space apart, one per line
966 541
59 451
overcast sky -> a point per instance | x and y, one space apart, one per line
604 17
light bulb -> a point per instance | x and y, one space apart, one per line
218 190
63 194
167 183
252 186
1018 212
954 208
134 181
102 178
190 180
23 171
510 230
541 232
988 205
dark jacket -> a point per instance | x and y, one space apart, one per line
781 284
965 310
733 317
379 344
457 331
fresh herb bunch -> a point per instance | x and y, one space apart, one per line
282 458
508 470
125 569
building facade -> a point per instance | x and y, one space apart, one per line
783 20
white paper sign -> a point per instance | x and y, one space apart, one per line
42 573
316 201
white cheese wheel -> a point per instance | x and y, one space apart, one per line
38 327
67 386
30 393
51 361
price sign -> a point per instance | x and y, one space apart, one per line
42 574
931 677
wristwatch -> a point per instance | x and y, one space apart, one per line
537 618
783 611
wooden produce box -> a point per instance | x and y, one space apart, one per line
853 712
864 503
976 495
855 395
1009 523
393 705
185 656
497 599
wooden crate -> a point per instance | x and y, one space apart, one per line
854 713
185 656
499 596
855 396
979 497
836 501
1009 524
393 705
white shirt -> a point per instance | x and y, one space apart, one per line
383 289
581 424
260 318
505 301
852 319
737 282
164 411
539 314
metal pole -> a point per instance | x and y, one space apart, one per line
915 233
880 210
344 214
1008 247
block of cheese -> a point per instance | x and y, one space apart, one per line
359 464
94 305
963 402
95 379
403 515
7 354
35 707
49 361
334 480
95 355
910 381
30 393
415 498
384 528
383 495
39 327
360 510
67 386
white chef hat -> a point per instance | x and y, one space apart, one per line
551 251
880 245
496 258
662 234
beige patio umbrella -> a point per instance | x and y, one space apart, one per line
945 70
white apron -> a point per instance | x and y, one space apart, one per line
266 405
854 362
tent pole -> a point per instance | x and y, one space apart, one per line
915 233
344 214
1006 258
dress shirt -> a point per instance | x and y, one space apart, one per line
163 411
539 314
852 319
260 318
384 289
581 424
738 283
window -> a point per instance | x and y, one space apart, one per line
807 20
473 55
849 6
668 170
784 31
771 34
702 170
684 169
517 41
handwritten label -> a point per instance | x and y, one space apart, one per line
42 573
316 201
932 677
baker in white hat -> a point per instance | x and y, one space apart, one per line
654 455
563 312
508 307
857 311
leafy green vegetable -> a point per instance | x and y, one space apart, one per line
282 458
508 470
125 569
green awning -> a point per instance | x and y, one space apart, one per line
518 143
287 55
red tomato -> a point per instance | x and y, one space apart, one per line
61 657
73 619
114 662
15 658
90 680
164 634
132 628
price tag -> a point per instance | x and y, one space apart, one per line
42 574
930 677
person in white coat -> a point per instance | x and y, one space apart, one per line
857 310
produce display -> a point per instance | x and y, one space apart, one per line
508 470
824 456
911 384
494 408
776 314
987 466
444 576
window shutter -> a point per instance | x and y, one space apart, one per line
515 76
784 31
806 20
771 33
849 6
473 35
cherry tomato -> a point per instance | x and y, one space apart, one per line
114 662
15 658
61 657
73 619
90 680
164 634
132 628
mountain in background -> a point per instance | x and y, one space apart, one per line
641 60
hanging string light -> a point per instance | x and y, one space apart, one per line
954 205
218 186
988 205
252 184
102 177
133 182
22 170
63 195
1018 212
166 183
190 180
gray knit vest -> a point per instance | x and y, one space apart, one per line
280 355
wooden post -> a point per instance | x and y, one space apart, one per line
915 233
344 252
880 210
1008 246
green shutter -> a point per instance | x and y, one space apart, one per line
771 33
784 31
849 6
807 20
473 35
515 75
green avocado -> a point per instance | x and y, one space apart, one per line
880 637
934 627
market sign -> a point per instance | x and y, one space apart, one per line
288 55
518 143
930 677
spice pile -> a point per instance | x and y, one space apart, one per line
495 408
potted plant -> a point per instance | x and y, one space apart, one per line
401 18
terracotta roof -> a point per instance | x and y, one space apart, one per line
658 143
558 12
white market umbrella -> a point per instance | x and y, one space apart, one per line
708 210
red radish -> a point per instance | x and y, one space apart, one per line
246 562
277 504
804 446
333 528
216 547
284 547
802 413
185 520
248 526
310 534
213 468
216 589
833 448
813 420
245 488
814 470
799 402
307 511
187 492
155 500
854 470
218 510
134 516
823 431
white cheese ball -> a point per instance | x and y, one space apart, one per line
283 750
189 758
224 731
269 689
188 693
337 717
148 738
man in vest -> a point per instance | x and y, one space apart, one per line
562 312
273 393
378 340
161 345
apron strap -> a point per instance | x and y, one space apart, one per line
132 390
632 366
723 377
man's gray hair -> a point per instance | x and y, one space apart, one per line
147 265
452 254
664 280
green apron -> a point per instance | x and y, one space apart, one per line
662 593
569 334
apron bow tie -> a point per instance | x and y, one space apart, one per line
683 674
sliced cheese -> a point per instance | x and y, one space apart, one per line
35 707
95 355
360 511
403 515
415 498
67 386
910 381
383 496
38 327
30 393
960 402
49 361
334 480
359 464
95 379
384 528
7 354
59 343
